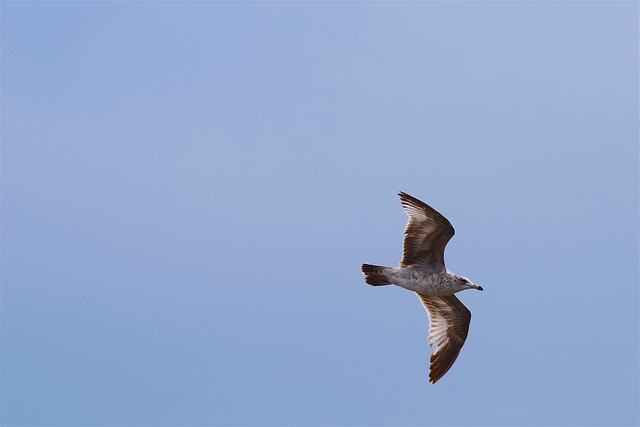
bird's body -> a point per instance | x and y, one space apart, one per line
422 270
425 281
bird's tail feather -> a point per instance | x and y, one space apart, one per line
376 275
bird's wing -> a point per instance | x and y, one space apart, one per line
448 328
427 233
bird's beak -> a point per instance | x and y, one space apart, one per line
479 288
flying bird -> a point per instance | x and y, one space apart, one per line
422 271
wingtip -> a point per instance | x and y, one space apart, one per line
405 198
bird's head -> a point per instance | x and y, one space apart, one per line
465 283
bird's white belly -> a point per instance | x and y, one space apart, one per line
421 281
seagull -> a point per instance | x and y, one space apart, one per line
422 271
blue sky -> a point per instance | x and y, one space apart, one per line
189 189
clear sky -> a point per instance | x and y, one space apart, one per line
189 189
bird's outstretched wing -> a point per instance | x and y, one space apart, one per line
448 328
427 234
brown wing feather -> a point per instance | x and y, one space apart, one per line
427 234
448 328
